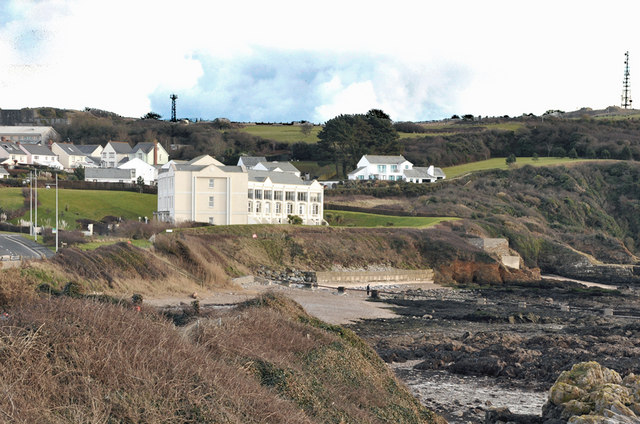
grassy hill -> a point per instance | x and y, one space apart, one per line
81 204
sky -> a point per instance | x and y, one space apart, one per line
283 61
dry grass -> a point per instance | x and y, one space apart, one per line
68 361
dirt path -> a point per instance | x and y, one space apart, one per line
323 303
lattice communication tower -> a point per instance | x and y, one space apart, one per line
173 98
626 90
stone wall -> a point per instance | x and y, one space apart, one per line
341 278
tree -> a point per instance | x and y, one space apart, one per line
511 159
573 154
140 183
79 173
294 220
348 137
306 128
152 115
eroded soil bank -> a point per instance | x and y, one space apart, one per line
503 346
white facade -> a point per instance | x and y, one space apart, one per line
151 153
12 154
40 155
393 168
69 155
273 196
113 153
141 169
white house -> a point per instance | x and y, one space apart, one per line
151 153
141 169
110 175
375 167
70 156
12 154
40 155
273 196
393 168
113 153
3 173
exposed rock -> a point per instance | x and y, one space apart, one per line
592 394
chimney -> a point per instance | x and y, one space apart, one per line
155 152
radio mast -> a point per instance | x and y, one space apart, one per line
626 92
173 98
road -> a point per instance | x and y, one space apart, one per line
16 245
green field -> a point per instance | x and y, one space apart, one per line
90 204
283 133
500 163
11 198
360 219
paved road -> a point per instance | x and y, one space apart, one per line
15 245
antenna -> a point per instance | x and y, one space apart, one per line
173 98
626 95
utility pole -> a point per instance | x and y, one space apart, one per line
31 203
626 94
57 228
35 228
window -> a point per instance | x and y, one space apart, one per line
301 209
267 207
36 157
250 194
210 220
290 195
302 197
315 197
394 168
267 195
278 207
258 207
210 201
315 209
289 208
250 208
258 194
382 169
406 167
361 177
277 195
211 180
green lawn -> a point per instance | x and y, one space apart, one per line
360 219
284 133
90 204
500 163
11 198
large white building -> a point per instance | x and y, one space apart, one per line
205 190
393 168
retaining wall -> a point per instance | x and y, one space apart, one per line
341 278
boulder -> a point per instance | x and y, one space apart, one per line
592 394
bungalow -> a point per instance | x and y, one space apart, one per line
40 155
113 153
394 168
110 175
151 153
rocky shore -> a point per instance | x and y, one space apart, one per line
515 338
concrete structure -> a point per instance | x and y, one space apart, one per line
109 175
203 190
12 153
358 278
29 135
149 173
151 153
40 155
113 153
274 195
498 247
393 168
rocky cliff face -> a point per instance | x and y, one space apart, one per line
591 394
480 272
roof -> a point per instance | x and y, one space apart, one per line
355 171
70 149
381 159
438 172
25 130
251 161
11 148
121 174
120 146
87 148
3 171
284 166
418 172
36 149
276 177
146 147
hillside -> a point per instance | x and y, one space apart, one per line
565 220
